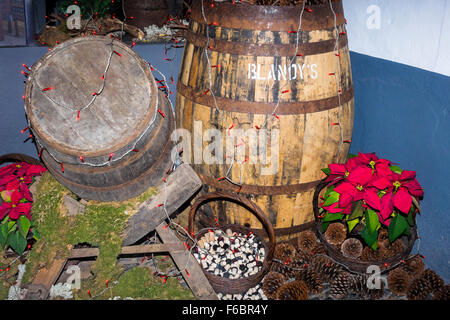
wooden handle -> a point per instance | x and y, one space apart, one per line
19 157
249 205
317 191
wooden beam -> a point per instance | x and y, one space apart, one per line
141 249
181 185
195 278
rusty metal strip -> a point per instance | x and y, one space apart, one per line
254 107
269 18
258 190
265 49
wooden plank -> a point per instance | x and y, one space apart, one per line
141 249
195 278
39 289
180 186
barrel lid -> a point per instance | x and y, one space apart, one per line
78 108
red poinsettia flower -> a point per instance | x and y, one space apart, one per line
380 166
340 171
35 170
7 179
7 169
22 168
335 208
17 182
387 207
401 187
15 208
357 187
25 191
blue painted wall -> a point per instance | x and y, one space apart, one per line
402 113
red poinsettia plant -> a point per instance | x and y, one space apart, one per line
15 204
371 192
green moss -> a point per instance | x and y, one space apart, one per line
101 225
4 289
52 226
139 283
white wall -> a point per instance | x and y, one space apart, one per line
412 32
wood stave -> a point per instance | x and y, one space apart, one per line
128 168
197 81
69 154
130 188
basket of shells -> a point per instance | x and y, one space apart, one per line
365 212
233 257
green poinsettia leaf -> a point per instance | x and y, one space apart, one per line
6 195
332 217
357 211
24 225
351 155
333 197
371 238
325 226
372 221
3 234
17 242
351 224
327 171
398 226
11 226
396 169
410 218
329 190
36 234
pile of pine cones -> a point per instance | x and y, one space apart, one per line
417 283
302 270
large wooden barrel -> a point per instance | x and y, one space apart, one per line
143 13
250 49
119 145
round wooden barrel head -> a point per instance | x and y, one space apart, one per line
67 78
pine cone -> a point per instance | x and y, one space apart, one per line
340 285
359 286
271 283
311 279
285 268
325 268
364 290
383 235
336 233
419 289
368 254
295 290
399 281
352 248
284 252
443 293
434 280
414 266
318 249
307 241
290 267
394 248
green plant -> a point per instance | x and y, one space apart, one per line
373 192
16 202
